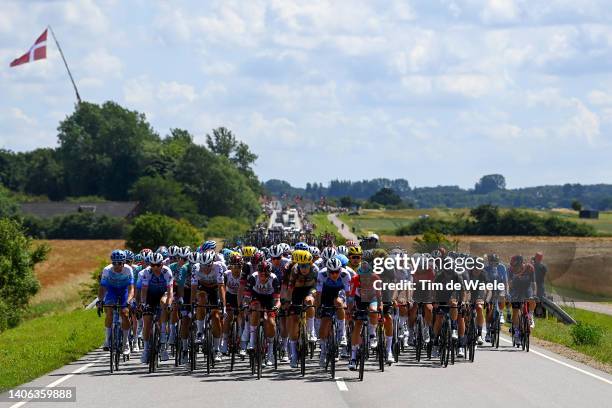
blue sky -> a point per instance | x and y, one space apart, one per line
437 92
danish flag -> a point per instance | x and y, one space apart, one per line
36 52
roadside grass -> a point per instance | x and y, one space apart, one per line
387 221
576 295
43 344
322 225
551 330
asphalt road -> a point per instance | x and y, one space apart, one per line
504 377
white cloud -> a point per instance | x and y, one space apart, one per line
601 98
499 11
174 91
100 62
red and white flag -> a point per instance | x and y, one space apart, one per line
36 52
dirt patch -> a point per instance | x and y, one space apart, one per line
583 264
69 263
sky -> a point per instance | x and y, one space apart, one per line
439 92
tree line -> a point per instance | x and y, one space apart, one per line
489 189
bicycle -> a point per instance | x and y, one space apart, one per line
116 340
259 352
154 337
446 345
304 347
524 327
363 350
471 334
419 340
495 327
397 342
207 337
233 338
331 353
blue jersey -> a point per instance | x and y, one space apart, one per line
117 281
499 273
157 284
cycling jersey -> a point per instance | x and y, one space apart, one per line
210 279
157 284
423 293
117 284
232 283
298 279
475 278
520 280
362 285
330 289
183 276
448 279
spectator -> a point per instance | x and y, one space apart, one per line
540 273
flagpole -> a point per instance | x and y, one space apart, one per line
66 64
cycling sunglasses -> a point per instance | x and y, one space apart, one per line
355 256
303 265
155 265
276 258
338 271
118 263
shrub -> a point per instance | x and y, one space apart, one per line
153 230
89 291
75 226
434 240
17 280
586 334
225 227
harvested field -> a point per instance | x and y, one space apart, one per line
69 263
583 264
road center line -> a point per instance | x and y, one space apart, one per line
62 379
341 385
531 350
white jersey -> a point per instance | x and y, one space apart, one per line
211 276
232 283
157 283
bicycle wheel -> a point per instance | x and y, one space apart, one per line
362 351
118 344
152 347
332 351
193 352
395 345
232 345
381 348
525 333
419 337
497 330
111 348
208 348
260 349
303 350
178 347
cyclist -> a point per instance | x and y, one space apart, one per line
177 262
333 283
247 253
208 277
130 260
496 271
316 256
355 256
447 302
183 287
521 279
116 287
157 289
388 275
342 249
263 292
231 279
476 297
279 268
367 302
301 291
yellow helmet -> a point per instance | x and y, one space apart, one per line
248 251
355 250
301 257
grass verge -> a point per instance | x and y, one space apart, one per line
43 344
551 330
324 225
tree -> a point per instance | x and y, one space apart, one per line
216 185
103 149
153 230
8 206
386 196
347 202
163 196
576 205
490 183
45 175
17 280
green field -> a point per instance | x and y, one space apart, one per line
43 344
551 330
387 221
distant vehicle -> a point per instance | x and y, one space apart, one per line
422 216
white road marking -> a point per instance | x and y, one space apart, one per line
531 350
341 385
62 379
